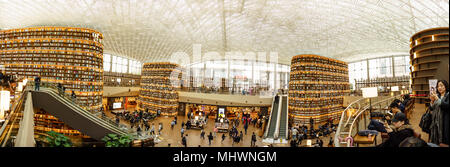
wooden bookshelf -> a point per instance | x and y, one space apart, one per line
317 88
159 90
66 55
429 54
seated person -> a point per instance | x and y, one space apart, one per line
405 99
398 131
400 105
413 142
376 125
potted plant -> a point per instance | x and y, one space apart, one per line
113 140
55 139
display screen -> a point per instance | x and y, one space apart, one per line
221 112
117 105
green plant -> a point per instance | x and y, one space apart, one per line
113 140
58 140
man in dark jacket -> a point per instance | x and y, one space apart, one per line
37 83
398 131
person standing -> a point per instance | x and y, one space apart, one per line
440 124
210 137
74 96
152 130
253 143
37 83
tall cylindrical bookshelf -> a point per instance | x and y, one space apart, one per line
160 83
429 60
317 88
66 55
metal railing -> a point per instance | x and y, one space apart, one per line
353 120
73 101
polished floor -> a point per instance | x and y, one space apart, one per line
173 136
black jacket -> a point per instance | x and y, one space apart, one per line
396 137
446 119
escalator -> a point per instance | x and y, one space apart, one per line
73 115
283 118
270 132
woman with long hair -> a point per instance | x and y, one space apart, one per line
440 125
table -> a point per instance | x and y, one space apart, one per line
364 139
222 127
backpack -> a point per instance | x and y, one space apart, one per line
425 122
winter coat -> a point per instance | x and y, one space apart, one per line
440 121
397 136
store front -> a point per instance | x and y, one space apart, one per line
120 103
229 112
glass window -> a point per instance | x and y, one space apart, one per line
357 71
401 67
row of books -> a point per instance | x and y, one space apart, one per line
317 59
49 53
157 91
317 95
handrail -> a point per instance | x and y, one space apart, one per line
89 115
287 120
270 119
25 135
106 122
364 110
277 125
4 131
338 130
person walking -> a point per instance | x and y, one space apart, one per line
215 130
172 124
223 137
182 131
253 143
241 136
246 127
184 141
210 137
202 134
160 128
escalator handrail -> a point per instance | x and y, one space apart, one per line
276 134
74 105
86 114
109 125
270 118
287 119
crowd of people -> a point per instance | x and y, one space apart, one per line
300 133
435 122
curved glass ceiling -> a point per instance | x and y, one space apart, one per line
347 30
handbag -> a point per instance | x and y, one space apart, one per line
425 121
